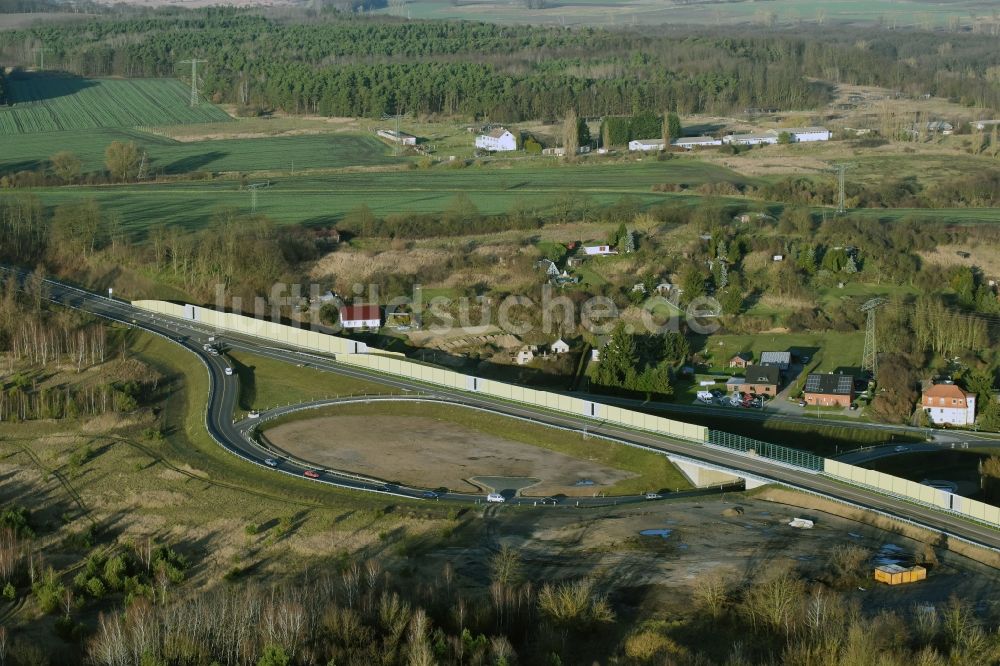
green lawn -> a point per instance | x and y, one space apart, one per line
325 198
654 471
52 102
828 350
267 383
166 156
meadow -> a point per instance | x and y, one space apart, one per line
325 198
170 157
50 102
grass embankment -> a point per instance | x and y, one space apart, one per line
653 471
267 383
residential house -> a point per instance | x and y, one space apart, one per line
759 379
741 360
691 142
750 139
598 250
777 359
525 355
940 127
355 317
559 347
497 140
549 267
646 145
401 138
829 390
803 134
947 404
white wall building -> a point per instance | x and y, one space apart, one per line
947 404
360 316
750 139
498 140
645 145
401 138
804 134
559 347
690 142
598 250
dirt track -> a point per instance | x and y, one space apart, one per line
428 453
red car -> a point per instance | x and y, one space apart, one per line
312 474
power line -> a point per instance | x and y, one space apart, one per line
869 360
253 187
194 79
399 139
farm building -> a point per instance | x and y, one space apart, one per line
778 359
741 360
947 404
750 139
759 379
360 316
804 134
646 145
598 250
690 142
401 138
525 355
498 140
826 390
559 347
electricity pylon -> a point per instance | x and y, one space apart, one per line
253 187
841 169
194 79
397 117
41 51
870 359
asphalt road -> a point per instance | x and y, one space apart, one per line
224 391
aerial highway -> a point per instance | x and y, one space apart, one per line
224 389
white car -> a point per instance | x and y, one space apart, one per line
654 496
271 462
253 415
495 498
229 372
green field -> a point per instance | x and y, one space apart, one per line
925 14
284 153
48 103
325 198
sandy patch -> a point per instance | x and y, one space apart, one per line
986 257
429 453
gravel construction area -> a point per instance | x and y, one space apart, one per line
428 453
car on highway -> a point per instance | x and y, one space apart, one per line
901 449
253 415
495 498
654 496
548 500
802 403
229 372
311 473
430 494
271 462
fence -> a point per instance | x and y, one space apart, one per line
767 450
351 352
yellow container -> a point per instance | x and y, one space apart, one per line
893 574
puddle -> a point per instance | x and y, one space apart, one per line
891 554
663 533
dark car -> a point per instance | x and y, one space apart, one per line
429 494
548 500
312 474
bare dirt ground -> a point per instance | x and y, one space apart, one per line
420 452
734 538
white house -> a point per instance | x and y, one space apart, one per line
559 347
524 356
750 139
947 404
690 142
401 138
644 145
497 140
360 316
804 134
599 250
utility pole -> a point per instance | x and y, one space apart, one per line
194 79
397 117
41 51
841 169
870 359
142 168
253 187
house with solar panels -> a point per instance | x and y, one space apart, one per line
829 390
